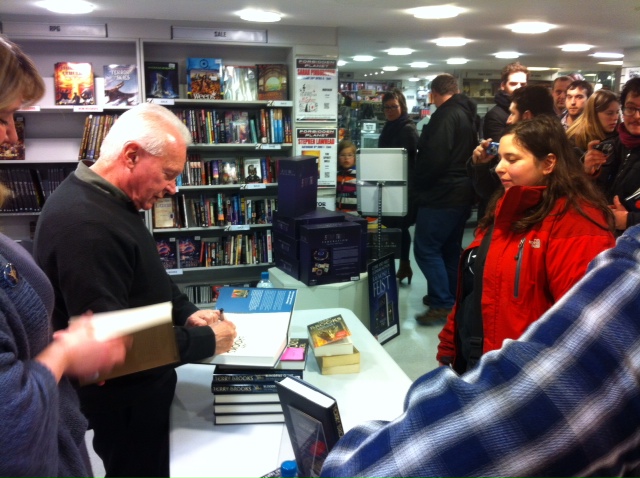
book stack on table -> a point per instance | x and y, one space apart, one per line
249 395
330 340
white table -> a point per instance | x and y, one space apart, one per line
352 295
199 448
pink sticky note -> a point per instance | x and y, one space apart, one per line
293 353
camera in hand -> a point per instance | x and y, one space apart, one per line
605 147
492 149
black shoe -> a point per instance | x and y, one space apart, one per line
433 317
426 300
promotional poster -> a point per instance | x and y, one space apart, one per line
383 299
316 90
322 143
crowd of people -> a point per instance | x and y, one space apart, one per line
538 350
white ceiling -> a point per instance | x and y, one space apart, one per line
372 26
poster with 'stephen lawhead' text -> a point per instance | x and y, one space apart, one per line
322 143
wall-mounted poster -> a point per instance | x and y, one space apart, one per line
323 143
316 90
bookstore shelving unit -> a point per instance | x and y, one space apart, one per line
53 134
241 243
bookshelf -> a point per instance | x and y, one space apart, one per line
53 134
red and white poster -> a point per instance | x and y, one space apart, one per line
316 90
322 143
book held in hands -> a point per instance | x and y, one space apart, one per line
313 421
262 318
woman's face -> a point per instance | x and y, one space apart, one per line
347 158
391 109
609 118
519 167
8 133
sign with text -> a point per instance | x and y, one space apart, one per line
316 90
383 299
322 143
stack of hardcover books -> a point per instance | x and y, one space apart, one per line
248 394
330 340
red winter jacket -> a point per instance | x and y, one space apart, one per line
526 273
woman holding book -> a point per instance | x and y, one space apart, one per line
43 428
537 238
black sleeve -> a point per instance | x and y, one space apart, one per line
493 125
182 306
195 343
483 178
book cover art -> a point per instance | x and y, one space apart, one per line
327 331
161 79
313 421
14 151
204 85
167 250
164 213
383 299
228 172
272 82
73 83
121 86
240 83
189 252
252 170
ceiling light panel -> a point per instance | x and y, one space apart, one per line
262 16
399 51
576 47
436 12
530 27
451 41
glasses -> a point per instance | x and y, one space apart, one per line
630 110
391 107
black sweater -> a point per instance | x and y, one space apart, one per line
99 256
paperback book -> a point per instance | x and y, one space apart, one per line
240 83
383 299
121 86
313 421
204 78
272 82
73 83
262 318
241 419
167 250
14 151
161 79
330 336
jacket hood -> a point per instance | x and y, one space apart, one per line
462 101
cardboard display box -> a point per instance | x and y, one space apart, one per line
297 185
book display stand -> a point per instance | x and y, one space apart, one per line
382 185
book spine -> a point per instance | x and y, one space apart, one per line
244 388
244 378
82 154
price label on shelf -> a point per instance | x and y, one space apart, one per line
243 227
254 186
163 101
280 104
29 108
175 272
269 146
87 109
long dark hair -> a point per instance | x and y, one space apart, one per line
544 135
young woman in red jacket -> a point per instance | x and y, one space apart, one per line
538 236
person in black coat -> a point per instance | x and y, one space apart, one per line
513 76
400 132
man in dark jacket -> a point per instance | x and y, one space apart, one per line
444 193
513 76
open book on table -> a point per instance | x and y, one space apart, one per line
262 318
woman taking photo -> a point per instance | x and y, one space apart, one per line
599 121
538 236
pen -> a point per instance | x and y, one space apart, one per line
221 318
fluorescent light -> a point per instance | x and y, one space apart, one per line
419 64
507 55
607 55
254 15
457 61
70 7
613 63
362 58
451 41
413 78
390 68
436 12
530 27
341 62
538 68
576 47
399 51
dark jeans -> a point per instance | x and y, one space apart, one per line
437 246
134 440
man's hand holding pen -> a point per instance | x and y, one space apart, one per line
224 330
